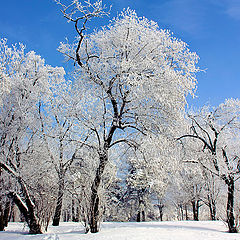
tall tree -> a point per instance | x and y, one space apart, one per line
135 78
29 81
150 168
217 129
56 129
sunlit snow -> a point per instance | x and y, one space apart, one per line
187 230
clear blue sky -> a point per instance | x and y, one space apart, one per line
210 27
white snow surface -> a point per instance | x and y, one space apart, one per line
182 230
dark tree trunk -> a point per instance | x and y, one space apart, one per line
195 206
28 213
73 211
143 216
141 212
94 218
103 159
77 214
6 213
139 216
186 212
1 223
12 212
181 212
230 206
58 210
94 204
1 219
2 227
160 208
28 210
212 208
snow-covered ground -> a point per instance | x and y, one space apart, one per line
187 230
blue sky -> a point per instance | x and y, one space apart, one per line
210 27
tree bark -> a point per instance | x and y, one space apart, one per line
73 211
181 212
28 213
195 206
186 213
28 210
139 216
160 208
12 212
58 210
6 213
212 208
94 204
143 216
1 219
77 214
230 206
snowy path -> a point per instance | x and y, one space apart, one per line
188 230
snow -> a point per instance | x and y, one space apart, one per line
20 199
185 230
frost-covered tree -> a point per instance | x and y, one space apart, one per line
150 170
135 78
57 131
206 184
186 187
217 129
5 202
193 184
79 180
29 80
8 70
193 176
212 189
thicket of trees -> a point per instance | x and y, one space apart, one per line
113 141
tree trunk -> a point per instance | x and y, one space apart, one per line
58 210
1 219
160 208
186 212
77 214
213 212
12 213
230 206
6 213
195 206
181 212
1 223
143 216
139 216
65 216
28 213
73 211
212 208
94 204
28 210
